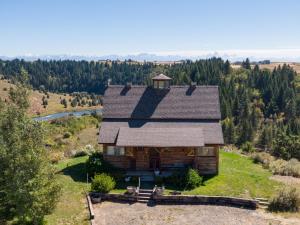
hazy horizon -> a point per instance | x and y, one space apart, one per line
168 29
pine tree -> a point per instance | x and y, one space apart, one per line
246 64
28 185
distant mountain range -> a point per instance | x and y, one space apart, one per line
233 56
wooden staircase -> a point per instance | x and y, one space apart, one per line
144 195
263 203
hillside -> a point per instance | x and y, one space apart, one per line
271 66
36 100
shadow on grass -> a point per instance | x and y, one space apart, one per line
207 178
77 172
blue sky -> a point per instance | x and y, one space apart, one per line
166 26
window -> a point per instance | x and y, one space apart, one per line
205 151
161 84
115 151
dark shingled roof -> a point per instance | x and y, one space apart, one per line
161 77
212 131
160 137
177 102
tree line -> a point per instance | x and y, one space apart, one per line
257 105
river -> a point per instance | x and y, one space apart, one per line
64 114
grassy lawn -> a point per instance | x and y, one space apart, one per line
239 177
72 207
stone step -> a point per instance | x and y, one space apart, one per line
145 194
143 197
262 199
263 203
143 200
145 191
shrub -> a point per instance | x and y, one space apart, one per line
96 164
177 179
292 168
278 166
247 147
158 180
183 178
119 176
80 153
193 179
103 183
67 135
286 200
263 158
56 157
286 168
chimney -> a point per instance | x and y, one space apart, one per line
108 81
128 85
193 84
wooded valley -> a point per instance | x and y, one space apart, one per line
259 107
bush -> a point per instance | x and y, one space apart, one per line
293 168
103 183
96 164
184 179
278 166
119 176
158 180
177 179
56 157
286 168
80 153
67 135
263 158
247 147
287 200
193 179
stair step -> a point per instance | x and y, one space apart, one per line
145 194
263 207
143 200
143 197
145 190
261 199
264 203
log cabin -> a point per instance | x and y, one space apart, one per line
161 126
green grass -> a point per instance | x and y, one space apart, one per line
72 207
239 177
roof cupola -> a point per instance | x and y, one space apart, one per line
161 81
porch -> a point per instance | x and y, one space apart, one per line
144 160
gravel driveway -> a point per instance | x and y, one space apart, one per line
109 213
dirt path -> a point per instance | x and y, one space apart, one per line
108 213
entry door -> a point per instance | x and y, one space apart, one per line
154 159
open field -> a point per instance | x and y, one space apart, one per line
36 107
271 66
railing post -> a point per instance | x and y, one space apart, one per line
139 182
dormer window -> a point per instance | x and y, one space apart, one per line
161 81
